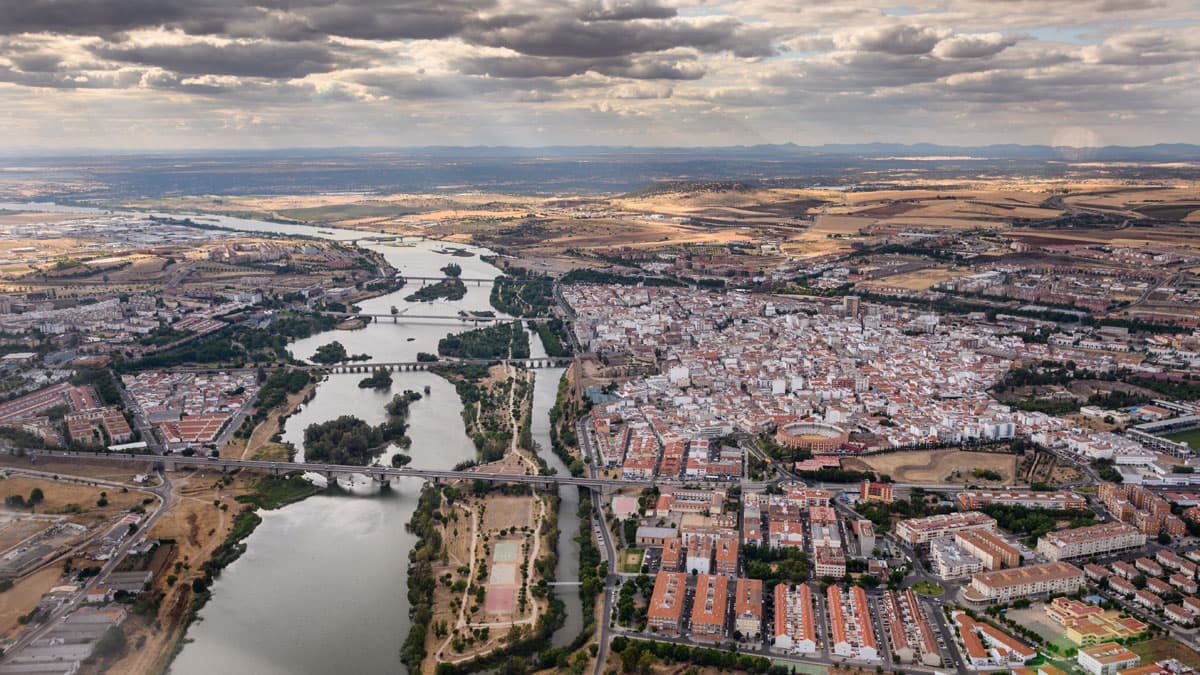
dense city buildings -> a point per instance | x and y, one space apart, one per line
1020 582
709 606
1136 505
851 630
918 531
986 646
1107 658
795 623
1092 540
975 499
951 561
991 550
753 384
666 602
748 607
871 491
910 634
1090 624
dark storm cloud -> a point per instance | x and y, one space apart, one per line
408 85
590 29
247 59
626 10
96 17
369 20
645 68
298 19
37 62
59 80
598 39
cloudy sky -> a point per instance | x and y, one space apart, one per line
147 74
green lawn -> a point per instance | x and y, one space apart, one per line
631 560
928 588
805 668
1191 437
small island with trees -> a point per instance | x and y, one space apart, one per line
335 352
450 288
350 440
380 378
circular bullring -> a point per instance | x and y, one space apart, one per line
812 436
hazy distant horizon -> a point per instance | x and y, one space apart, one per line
1181 150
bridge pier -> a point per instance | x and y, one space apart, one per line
330 480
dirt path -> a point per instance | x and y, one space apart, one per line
462 610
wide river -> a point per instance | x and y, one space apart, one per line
322 587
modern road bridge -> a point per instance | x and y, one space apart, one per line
459 318
383 474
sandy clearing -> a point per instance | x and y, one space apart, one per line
920 280
24 596
846 224
937 466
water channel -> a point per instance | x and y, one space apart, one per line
322 586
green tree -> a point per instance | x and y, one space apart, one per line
111 643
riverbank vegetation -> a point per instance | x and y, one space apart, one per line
487 415
642 655
421 582
501 341
521 295
273 492
554 337
563 441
